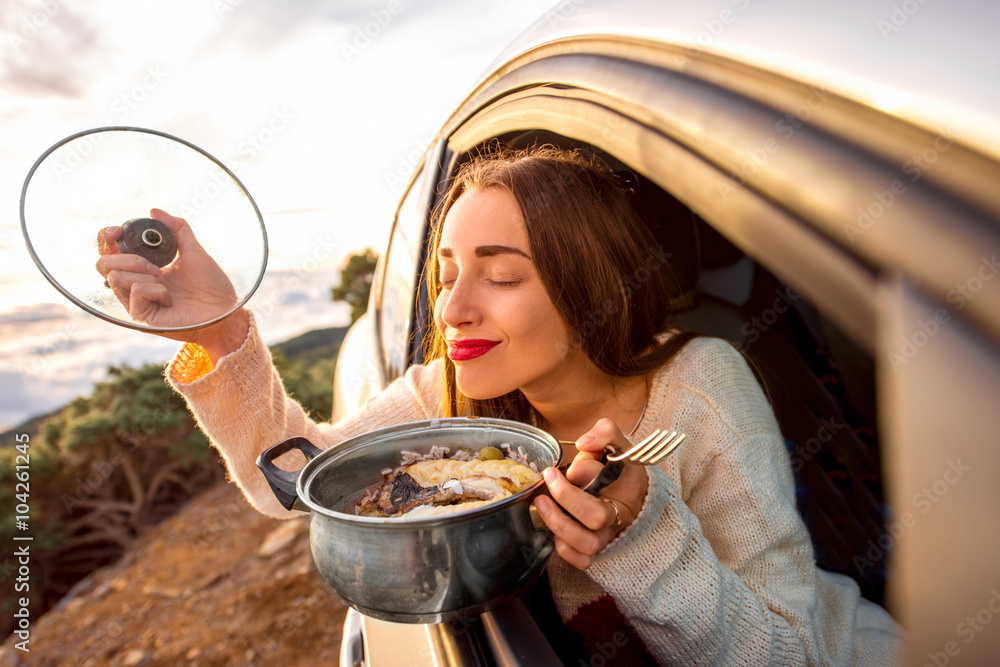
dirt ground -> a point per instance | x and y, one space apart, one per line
217 584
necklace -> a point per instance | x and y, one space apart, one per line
643 413
534 413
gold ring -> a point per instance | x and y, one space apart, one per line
618 513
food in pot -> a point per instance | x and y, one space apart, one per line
430 485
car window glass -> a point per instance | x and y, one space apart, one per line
402 265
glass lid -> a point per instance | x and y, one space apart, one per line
187 244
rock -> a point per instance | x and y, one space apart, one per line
155 590
282 537
305 566
135 657
102 590
211 580
8 658
74 605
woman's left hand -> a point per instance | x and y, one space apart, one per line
596 521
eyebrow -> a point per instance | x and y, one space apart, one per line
486 251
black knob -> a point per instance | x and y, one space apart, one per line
150 239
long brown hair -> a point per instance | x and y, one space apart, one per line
600 265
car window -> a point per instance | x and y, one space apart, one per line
818 376
819 379
821 383
402 266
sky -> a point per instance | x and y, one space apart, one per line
320 106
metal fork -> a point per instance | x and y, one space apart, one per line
652 449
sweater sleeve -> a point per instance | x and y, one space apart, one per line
242 406
718 567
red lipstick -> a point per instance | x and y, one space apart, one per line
469 348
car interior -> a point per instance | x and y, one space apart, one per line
820 383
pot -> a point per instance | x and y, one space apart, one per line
422 569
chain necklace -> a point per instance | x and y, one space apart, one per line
643 413
534 413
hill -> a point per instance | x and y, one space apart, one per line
109 468
31 426
313 345
216 585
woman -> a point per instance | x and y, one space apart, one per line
543 315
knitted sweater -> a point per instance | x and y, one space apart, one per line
717 568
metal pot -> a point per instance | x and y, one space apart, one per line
419 570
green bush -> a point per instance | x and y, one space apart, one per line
88 429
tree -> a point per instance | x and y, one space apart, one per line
356 282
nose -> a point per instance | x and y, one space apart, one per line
459 305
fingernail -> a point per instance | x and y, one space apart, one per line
550 475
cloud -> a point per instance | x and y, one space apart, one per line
260 27
21 400
295 298
15 397
40 312
39 374
49 49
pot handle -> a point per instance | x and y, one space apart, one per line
608 474
283 482
612 470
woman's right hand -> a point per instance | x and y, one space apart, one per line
192 288
595 521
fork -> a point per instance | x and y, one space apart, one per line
654 447
649 451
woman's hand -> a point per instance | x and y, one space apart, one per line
596 520
192 288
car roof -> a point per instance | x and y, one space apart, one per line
932 64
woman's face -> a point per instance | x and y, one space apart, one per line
502 329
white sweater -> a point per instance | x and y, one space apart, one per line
718 566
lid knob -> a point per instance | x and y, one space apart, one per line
150 239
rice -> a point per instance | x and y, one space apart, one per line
518 457
370 495
408 458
